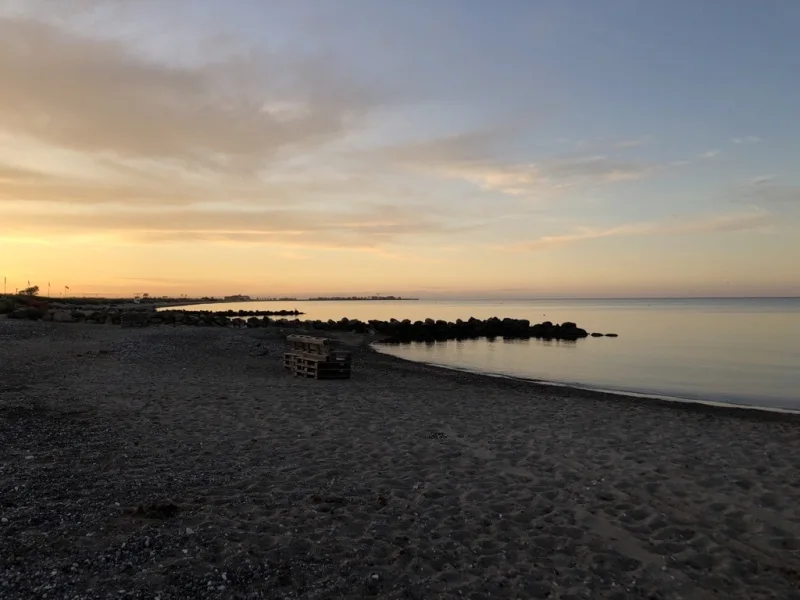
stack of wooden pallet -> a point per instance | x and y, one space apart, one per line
316 357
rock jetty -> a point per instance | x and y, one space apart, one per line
389 332
433 331
151 317
430 330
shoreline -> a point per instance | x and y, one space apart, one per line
623 394
185 462
591 393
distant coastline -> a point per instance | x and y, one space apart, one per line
292 299
357 298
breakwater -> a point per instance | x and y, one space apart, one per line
392 331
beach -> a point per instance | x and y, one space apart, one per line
177 462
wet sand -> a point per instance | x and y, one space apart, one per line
185 463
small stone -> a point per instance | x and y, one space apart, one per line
29 457
189 531
375 577
185 551
225 576
4 520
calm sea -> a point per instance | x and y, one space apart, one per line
742 351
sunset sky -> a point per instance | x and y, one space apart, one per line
434 148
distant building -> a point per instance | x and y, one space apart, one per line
236 298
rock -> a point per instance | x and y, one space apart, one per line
597 335
612 335
27 312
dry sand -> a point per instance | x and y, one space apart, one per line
185 463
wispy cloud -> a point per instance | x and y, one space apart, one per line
770 196
709 154
746 221
370 228
748 139
633 143
476 158
596 168
766 192
763 179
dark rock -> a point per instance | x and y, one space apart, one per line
28 312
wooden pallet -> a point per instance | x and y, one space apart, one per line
316 358
308 344
318 367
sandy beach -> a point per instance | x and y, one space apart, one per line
176 462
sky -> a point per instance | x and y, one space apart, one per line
521 148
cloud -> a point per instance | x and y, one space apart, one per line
748 139
762 179
477 158
747 221
91 122
771 196
709 154
764 193
634 143
596 168
99 96
19 184
372 227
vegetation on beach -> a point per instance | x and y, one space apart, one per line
23 306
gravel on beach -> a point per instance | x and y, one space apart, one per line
172 463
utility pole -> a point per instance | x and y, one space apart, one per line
5 281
